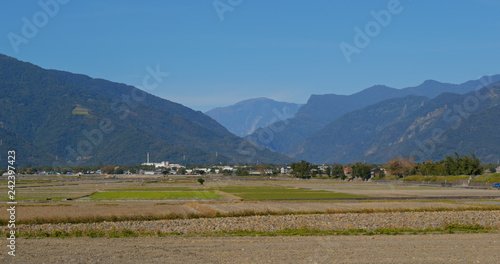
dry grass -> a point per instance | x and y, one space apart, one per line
205 212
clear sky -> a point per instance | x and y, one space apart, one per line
281 49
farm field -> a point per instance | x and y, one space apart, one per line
284 193
392 191
71 197
155 195
247 212
444 248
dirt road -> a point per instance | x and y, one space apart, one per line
448 248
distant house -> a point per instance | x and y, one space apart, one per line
347 170
323 168
285 170
377 171
229 168
498 169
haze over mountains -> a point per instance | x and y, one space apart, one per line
326 129
59 118
245 117
415 126
54 117
323 109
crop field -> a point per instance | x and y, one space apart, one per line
155 195
270 215
257 215
284 193
69 198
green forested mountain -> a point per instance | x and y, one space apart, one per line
346 138
411 126
320 110
52 116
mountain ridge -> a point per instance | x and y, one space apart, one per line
323 109
244 117
428 129
73 119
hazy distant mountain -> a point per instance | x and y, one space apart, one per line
52 117
245 117
323 109
411 126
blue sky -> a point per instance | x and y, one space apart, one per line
282 49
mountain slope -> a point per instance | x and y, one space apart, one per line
245 117
346 138
323 109
79 120
410 126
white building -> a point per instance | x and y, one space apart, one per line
285 170
163 164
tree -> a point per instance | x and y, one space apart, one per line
315 170
118 170
182 171
301 169
108 169
201 181
262 168
361 170
240 171
401 166
338 171
463 165
328 171
381 174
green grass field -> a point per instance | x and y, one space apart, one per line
434 178
155 189
156 195
266 193
494 177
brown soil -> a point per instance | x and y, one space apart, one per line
27 211
448 248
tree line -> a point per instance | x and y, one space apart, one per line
451 165
399 167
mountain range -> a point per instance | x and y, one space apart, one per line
365 126
52 117
320 110
244 117
57 118
414 126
